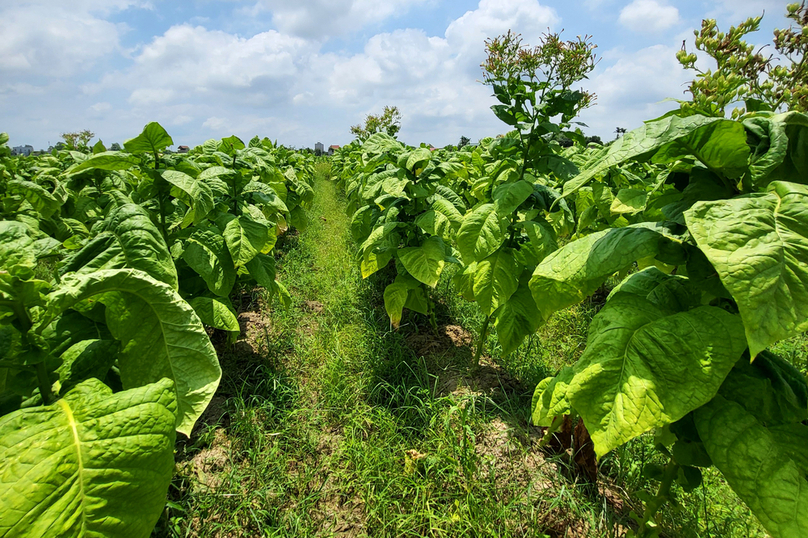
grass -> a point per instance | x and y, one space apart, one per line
328 423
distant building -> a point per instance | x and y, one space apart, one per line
332 149
318 148
183 149
25 150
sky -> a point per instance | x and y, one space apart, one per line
304 71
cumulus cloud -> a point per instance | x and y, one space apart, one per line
291 84
319 19
495 17
189 62
741 9
49 40
47 44
439 74
648 16
633 87
201 82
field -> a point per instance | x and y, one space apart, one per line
536 334
331 424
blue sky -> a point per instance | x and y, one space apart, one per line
305 71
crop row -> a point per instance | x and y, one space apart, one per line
110 264
703 222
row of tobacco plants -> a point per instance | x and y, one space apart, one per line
111 265
702 220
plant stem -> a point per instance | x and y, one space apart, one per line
44 383
662 496
549 432
161 196
433 322
481 341
41 368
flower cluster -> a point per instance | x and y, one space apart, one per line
745 79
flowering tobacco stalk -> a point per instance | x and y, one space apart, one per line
742 75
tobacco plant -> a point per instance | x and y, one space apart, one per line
518 214
680 347
109 264
402 213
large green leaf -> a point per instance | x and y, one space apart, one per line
495 280
482 232
84 360
92 464
766 466
377 250
43 200
245 238
425 262
449 210
16 246
670 292
550 398
230 145
570 274
418 159
517 318
644 367
207 254
508 196
719 145
373 260
198 192
216 312
126 238
629 201
153 139
717 142
72 328
758 244
108 160
265 196
396 295
780 152
262 269
435 223
542 237
770 388
160 333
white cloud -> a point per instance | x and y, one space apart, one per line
648 16
741 9
53 43
290 85
151 96
201 82
182 120
633 87
51 39
319 19
188 63
101 107
495 17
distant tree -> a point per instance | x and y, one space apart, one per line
115 147
619 131
463 142
78 140
389 121
595 139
